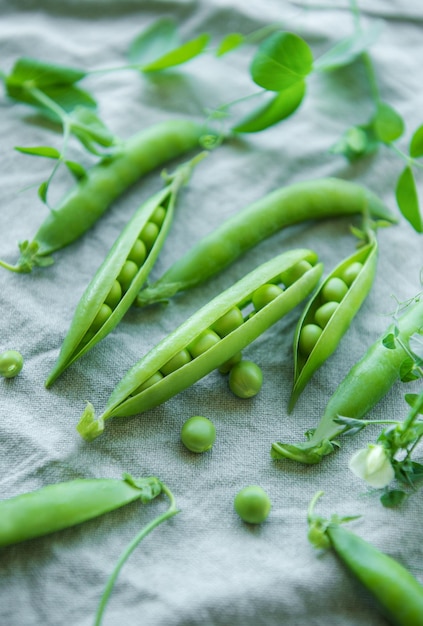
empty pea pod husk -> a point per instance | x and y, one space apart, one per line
367 382
128 399
309 200
306 364
88 200
63 505
97 299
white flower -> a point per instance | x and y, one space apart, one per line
373 465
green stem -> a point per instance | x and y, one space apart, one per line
12 268
170 512
48 103
415 410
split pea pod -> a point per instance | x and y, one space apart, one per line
88 200
209 338
330 312
63 505
309 200
368 381
399 595
119 278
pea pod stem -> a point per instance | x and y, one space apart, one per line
88 200
308 200
368 381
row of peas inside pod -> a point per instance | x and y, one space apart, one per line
211 337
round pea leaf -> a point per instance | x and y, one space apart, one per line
388 125
279 108
282 60
41 74
179 55
407 199
393 498
416 144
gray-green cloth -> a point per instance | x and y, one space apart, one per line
205 566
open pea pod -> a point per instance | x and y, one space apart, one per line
121 275
330 312
210 337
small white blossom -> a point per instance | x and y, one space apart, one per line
373 465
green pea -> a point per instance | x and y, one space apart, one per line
252 504
149 234
228 322
155 378
11 363
265 294
245 379
127 274
226 367
309 336
203 342
198 434
294 273
351 272
138 252
325 312
334 289
114 296
179 360
101 318
158 215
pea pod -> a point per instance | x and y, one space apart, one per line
330 312
397 592
121 275
195 348
87 201
368 381
309 200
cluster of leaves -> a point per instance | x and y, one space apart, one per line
400 438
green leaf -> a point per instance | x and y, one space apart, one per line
43 151
347 50
416 144
155 41
230 42
393 498
407 371
407 199
279 108
182 54
42 191
356 142
389 341
40 74
282 60
67 97
87 125
76 169
411 399
387 124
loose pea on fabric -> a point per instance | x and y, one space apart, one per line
368 381
309 200
119 278
88 200
330 312
195 348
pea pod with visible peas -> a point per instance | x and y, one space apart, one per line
88 200
121 275
397 592
309 200
368 381
209 338
63 505
330 312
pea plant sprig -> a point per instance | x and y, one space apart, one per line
391 456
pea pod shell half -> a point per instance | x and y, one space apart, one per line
340 321
121 403
99 287
66 504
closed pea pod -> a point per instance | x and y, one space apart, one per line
397 592
309 200
119 278
329 314
87 201
367 382
126 401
